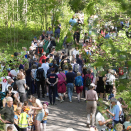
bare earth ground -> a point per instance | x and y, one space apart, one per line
67 115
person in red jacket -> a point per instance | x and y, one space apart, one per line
42 57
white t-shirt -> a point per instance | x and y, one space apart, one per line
4 82
13 72
99 117
45 67
36 104
75 52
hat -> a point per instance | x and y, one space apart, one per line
92 84
44 53
35 37
113 100
112 71
51 64
87 40
43 31
45 103
25 109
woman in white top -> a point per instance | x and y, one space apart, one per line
40 42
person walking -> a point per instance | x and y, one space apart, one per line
100 82
40 80
70 77
79 85
91 104
61 86
52 80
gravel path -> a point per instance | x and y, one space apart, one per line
67 115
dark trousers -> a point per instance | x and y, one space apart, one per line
42 83
52 90
23 129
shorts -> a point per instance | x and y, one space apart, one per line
109 88
60 94
100 89
44 121
39 116
57 35
79 89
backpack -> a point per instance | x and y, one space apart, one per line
39 74
88 81
76 68
40 50
121 72
78 81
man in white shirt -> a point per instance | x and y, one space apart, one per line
45 66
100 121
75 52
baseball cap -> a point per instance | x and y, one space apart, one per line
51 64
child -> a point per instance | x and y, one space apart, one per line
10 128
110 127
44 121
23 120
20 104
17 116
15 103
25 104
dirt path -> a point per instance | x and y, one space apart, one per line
67 115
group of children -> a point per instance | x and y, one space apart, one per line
24 117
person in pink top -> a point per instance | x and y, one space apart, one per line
61 85
91 104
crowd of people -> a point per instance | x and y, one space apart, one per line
48 73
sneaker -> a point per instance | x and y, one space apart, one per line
61 101
54 104
57 98
70 101
78 101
